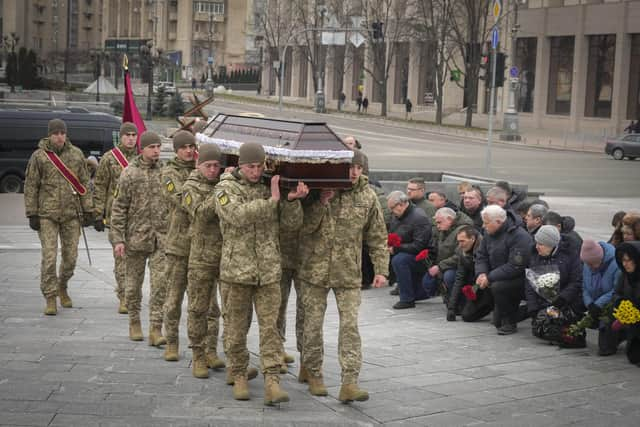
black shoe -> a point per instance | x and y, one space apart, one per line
507 328
364 287
402 305
451 316
394 291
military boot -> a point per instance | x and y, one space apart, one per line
122 307
213 361
240 388
284 368
272 392
65 300
288 359
135 331
171 352
51 309
303 375
351 392
155 336
199 367
316 386
251 374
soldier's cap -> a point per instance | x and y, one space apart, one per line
358 158
251 152
57 125
209 152
149 138
128 127
182 138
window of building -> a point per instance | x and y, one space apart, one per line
560 75
633 99
526 63
602 52
209 7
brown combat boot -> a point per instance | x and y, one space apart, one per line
171 353
316 386
288 359
272 392
351 392
122 307
135 331
155 336
199 367
65 299
213 361
51 309
251 374
240 388
303 375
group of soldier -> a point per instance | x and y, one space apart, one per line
204 230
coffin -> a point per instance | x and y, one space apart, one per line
297 151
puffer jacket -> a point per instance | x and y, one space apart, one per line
598 286
414 229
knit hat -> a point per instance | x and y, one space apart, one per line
251 152
358 158
182 138
548 235
209 152
57 125
591 252
149 138
128 127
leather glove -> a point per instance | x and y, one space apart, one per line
34 222
451 315
594 311
559 302
87 219
99 224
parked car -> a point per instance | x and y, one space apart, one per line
22 129
624 146
169 87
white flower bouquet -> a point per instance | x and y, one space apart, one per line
544 279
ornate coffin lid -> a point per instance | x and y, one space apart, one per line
283 140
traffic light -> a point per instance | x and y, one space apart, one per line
485 67
500 60
377 33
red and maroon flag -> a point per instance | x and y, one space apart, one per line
130 112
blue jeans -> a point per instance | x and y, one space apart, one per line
430 283
408 274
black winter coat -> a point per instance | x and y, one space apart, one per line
465 272
504 255
628 285
475 217
570 286
414 228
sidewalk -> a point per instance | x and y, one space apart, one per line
79 368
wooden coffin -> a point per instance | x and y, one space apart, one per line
297 151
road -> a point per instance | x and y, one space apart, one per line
556 173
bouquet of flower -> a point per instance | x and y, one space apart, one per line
470 292
394 240
423 256
587 321
544 279
625 314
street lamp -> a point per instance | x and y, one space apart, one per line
209 83
12 60
146 51
510 125
98 56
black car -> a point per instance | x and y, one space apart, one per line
22 129
624 146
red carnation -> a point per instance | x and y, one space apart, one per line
394 240
469 293
423 254
616 325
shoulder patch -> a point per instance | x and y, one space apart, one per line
187 199
170 185
223 199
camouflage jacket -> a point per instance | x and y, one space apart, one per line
199 202
106 181
47 193
332 236
289 247
174 174
139 213
250 223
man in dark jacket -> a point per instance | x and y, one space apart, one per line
439 200
497 196
534 218
565 225
414 229
472 205
500 264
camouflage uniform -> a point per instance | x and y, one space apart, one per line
331 240
138 219
49 195
174 174
250 266
203 322
289 242
105 184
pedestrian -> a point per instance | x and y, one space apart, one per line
341 100
359 101
138 228
174 174
203 321
408 106
109 170
365 104
251 214
193 83
335 226
57 203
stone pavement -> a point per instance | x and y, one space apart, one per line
79 368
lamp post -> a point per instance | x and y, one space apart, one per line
98 56
10 42
510 125
147 54
209 83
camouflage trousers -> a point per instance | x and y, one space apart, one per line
224 292
239 301
69 233
135 264
176 273
349 344
119 274
285 290
203 321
